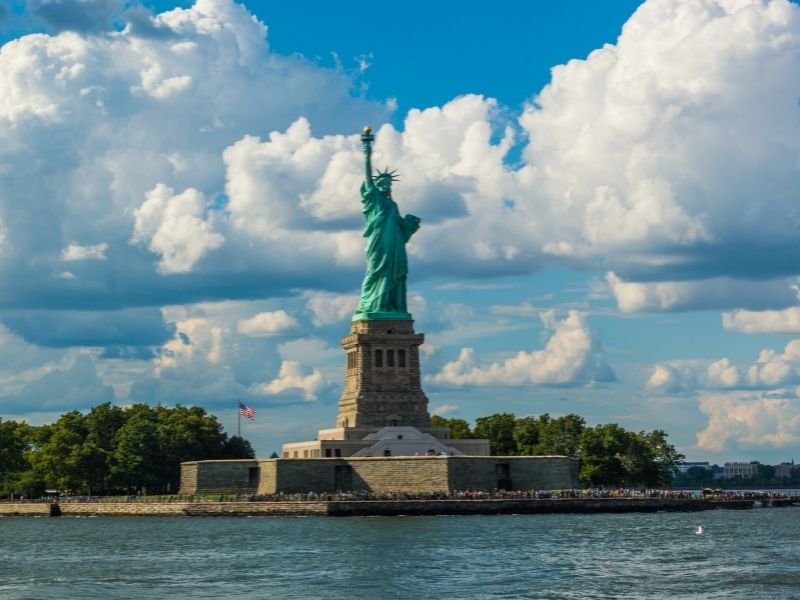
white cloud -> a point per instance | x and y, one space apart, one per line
776 369
770 370
646 155
572 356
75 252
659 154
444 409
719 292
723 373
173 227
330 308
267 323
119 120
311 351
291 377
524 309
671 378
196 339
765 321
750 420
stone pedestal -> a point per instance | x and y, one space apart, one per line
382 386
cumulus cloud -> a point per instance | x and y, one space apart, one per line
132 128
329 308
173 227
661 155
671 378
451 169
765 321
776 368
644 155
267 323
750 420
723 373
572 356
770 370
75 252
719 292
291 377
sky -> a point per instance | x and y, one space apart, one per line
608 194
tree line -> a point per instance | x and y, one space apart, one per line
608 454
110 449
765 477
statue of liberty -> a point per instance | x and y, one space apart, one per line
383 292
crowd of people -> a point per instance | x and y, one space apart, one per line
363 495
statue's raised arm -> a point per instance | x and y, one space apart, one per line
366 144
383 292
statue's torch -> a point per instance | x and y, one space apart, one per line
366 136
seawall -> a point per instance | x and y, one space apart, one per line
345 508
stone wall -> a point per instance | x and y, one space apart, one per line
380 474
165 509
291 475
513 472
13 509
220 476
189 477
176 509
384 507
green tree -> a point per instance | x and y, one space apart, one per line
59 460
526 435
186 433
499 430
601 455
663 458
237 447
560 436
459 428
138 448
103 424
137 460
14 445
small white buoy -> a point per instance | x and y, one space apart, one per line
699 530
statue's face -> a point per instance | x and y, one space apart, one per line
384 184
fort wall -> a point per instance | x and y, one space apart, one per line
379 474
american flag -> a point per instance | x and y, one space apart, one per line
246 411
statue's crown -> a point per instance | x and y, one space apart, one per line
392 175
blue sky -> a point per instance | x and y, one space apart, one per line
608 195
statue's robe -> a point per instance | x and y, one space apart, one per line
384 286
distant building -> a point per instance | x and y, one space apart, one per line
684 466
785 469
743 470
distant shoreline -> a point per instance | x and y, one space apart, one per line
342 508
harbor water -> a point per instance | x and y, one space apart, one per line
739 554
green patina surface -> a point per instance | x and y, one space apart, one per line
383 291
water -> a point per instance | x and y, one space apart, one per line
741 554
